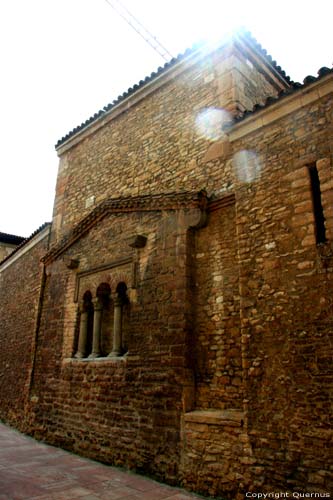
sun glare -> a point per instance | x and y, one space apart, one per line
209 123
247 167
214 20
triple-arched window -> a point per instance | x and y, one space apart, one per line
102 318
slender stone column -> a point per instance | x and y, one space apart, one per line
117 328
81 350
96 347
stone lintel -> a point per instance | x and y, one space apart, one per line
119 263
231 418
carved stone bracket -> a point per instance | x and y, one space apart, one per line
137 241
71 263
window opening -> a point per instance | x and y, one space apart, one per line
103 323
318 212
103 293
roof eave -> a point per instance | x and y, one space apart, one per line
168 72
282 106
26 245
127 102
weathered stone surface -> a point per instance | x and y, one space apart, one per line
225 376
20 286
5 250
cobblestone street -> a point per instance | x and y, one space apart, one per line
30 470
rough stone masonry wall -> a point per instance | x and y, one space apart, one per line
285 289
284 309
124 411
20 285
250 86
215 444
217 329
215 453
155 145
286 300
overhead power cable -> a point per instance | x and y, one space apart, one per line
132 21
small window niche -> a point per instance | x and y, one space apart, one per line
103 294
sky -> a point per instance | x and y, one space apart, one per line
64 60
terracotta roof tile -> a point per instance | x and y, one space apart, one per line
265 55
131 90
24 241
243 33
12 239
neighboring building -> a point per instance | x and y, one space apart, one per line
8 243
176 318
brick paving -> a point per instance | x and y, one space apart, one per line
30 470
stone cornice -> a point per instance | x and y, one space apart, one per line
270 72
219 203
148 203
282 107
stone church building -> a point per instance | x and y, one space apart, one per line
176 316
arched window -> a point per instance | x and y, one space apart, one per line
104 323
121 290
103 294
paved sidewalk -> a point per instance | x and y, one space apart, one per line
30 470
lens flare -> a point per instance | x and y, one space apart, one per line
247 166
209 123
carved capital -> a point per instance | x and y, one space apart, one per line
82 308
98 306
118 301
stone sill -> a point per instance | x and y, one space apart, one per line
74 361
233 418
